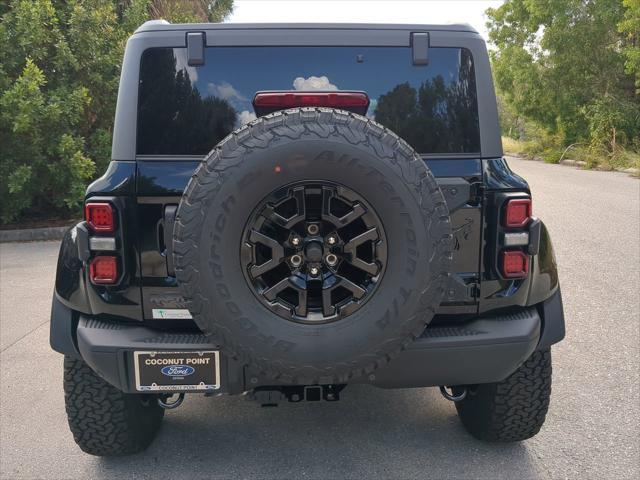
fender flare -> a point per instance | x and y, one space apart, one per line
544 292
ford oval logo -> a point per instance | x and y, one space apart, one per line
177 370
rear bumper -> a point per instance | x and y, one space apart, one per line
484 350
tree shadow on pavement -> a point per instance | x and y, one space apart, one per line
369 433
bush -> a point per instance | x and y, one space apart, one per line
551 155
58 88
552 95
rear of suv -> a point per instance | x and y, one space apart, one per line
291 209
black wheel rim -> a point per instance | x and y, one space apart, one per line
314 252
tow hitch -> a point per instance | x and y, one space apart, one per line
162 401
453 397
272 396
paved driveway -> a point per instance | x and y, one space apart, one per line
592 430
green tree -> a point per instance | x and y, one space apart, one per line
630 27
58 88
561 64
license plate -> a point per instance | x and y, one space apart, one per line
177 371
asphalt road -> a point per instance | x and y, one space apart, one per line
592 429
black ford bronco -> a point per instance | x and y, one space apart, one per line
291 209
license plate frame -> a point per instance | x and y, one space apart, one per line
191 371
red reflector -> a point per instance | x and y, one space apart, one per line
99 216
515 264
103 270
266 102
517 212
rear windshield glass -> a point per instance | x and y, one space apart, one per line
185 110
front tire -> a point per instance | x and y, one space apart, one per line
513 409
104 420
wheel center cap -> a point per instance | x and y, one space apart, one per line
313 251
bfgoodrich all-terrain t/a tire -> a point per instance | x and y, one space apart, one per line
105 421
511 410
228 218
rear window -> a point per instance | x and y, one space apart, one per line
185 110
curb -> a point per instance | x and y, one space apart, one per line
573 163
631 171
583 165
33 234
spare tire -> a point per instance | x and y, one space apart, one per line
312 245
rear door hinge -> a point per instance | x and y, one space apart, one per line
195 48
420 48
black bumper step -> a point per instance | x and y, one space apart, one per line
482 351
485 350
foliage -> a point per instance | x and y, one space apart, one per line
513 124
190 11
58 87
630 26
565 73
592 157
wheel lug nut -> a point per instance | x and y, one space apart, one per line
314 271
295 260
332 240
331 259
295 241
313 229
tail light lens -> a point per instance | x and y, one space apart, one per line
100 217
103 270
266 102
515 264
517 212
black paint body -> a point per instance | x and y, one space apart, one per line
143 188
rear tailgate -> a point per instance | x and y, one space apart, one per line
423 92
161 183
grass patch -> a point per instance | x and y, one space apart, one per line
512 146
531 149
550 152
601 159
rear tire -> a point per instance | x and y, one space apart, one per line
511 410
105 421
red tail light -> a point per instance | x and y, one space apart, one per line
100 217
517 212
266 102
103 270
515 264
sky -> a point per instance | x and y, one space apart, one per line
364 11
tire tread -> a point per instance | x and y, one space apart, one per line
514 409
105 421
321 123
